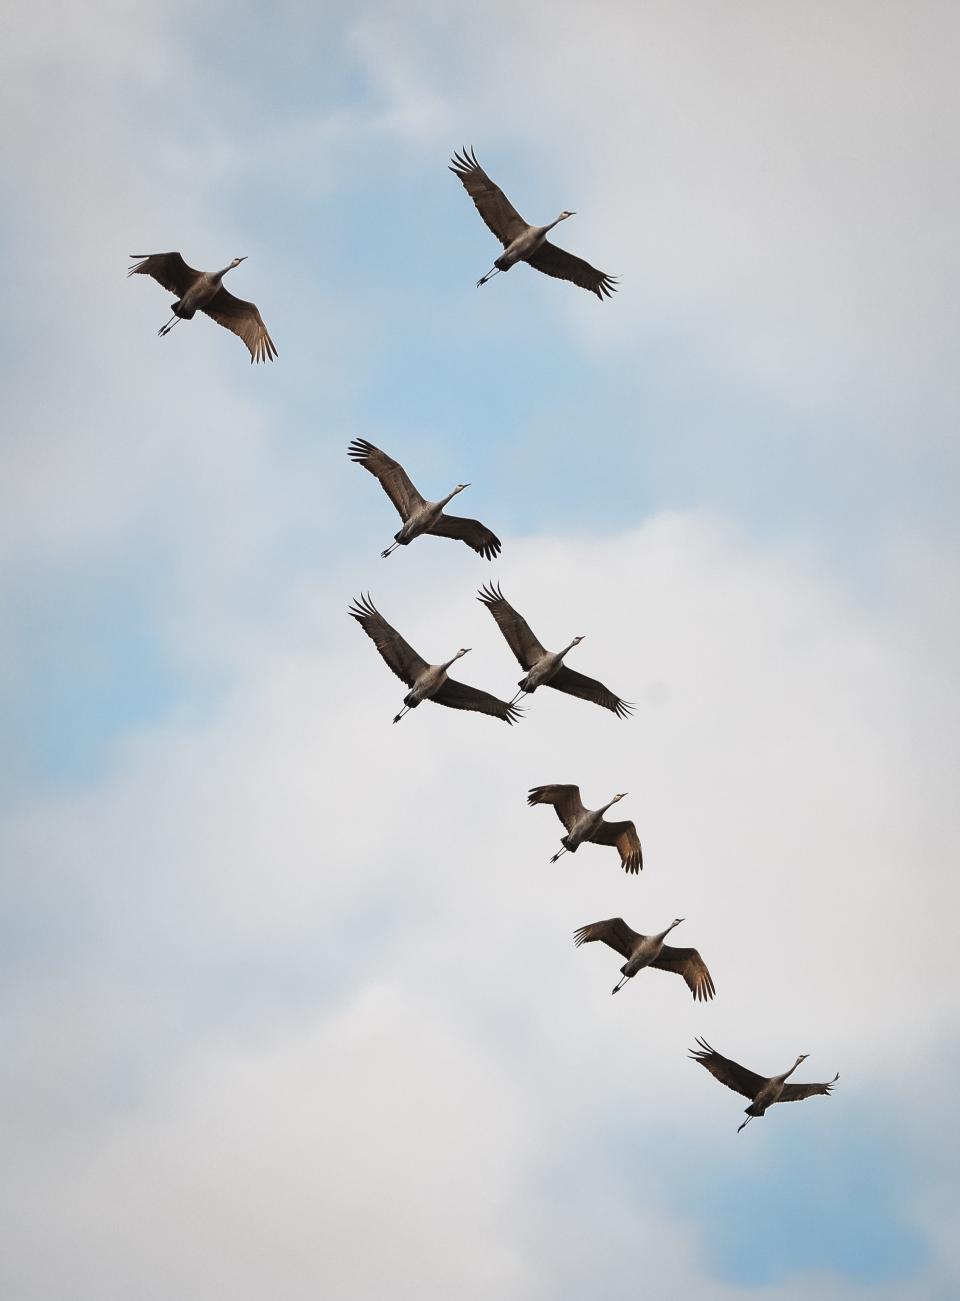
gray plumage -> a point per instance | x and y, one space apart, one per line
588 824
763 1091
649 951
521 241
203 291
545 668
426 681
419 515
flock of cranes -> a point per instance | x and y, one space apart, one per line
203 291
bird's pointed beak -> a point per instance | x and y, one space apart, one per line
244 258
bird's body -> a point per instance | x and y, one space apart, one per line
426 681
649 951
521 241
203 291
419 515
543 667
762 1091
584 824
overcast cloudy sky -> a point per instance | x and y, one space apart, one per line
289 998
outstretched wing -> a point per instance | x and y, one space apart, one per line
624 836
457 695
168 269
565 799
553 261
514 626
476 535
730 1073
578 684
396 653
494 207
688 964
244 320
393 477
614 932
797 1092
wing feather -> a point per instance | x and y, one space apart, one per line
514 627
168 269
476 535
688 964
244 320
578 684
394 479
499 214
457 695
728 1072
565 799
614 932
624 836
797 1092
397 654
557 262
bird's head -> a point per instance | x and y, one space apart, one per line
564 215
622 796
577 641
802 1058
677 921
460 487
462 651
236 261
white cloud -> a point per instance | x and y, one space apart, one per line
311 906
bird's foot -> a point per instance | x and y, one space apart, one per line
384 554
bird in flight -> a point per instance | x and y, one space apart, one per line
419 515
521 241
203 291
545 668
649 951
762 1091
426 681
588 824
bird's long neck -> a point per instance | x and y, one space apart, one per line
788 1073
663 934
444 667
608 806
449 497
563 652
218 275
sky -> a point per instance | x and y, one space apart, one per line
289 997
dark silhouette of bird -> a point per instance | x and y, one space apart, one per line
426 681
521 241
203 291
419 515
763 1091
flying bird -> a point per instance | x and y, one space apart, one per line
203 291
649 951
418 514
426 681
521 241
763 1092
588 824
545 668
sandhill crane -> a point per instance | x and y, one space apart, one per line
545 668
426 681
521 241
203 291
588 824
649 951
764 1092
418 514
